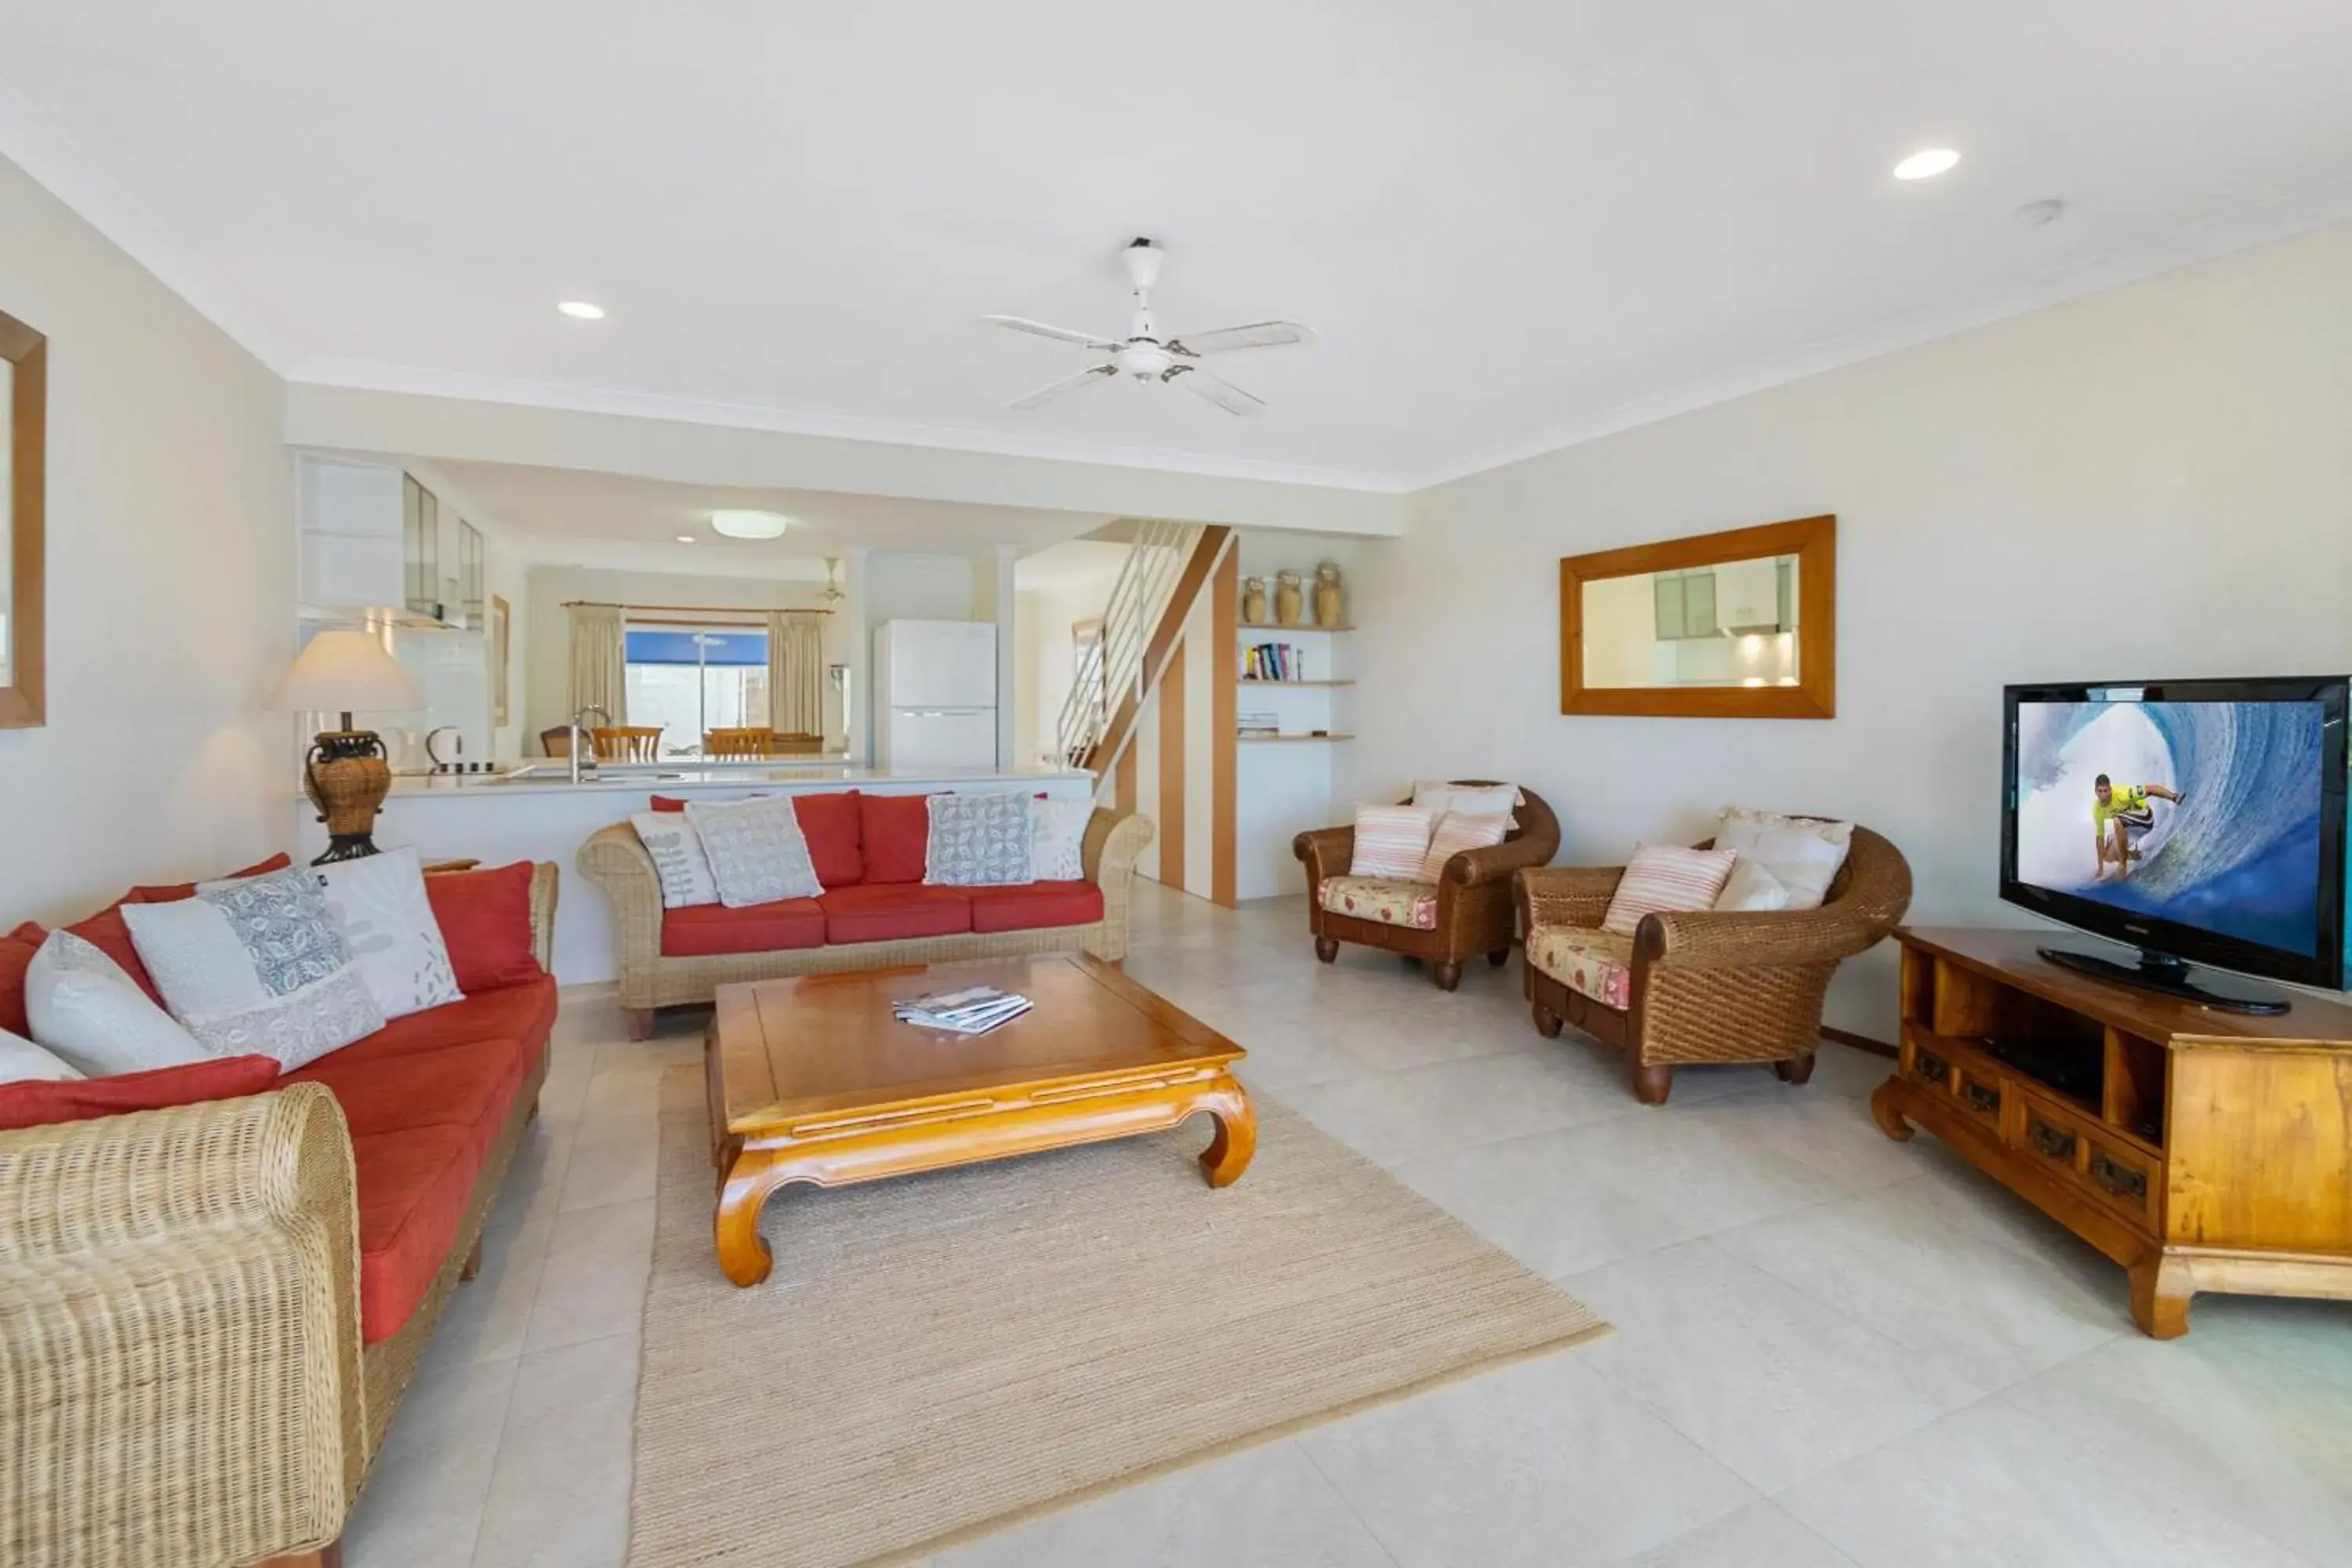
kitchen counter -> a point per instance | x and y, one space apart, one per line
544 815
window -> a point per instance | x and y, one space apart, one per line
695 680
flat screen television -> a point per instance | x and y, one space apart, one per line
2201 821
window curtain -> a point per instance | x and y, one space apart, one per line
796 672
600 660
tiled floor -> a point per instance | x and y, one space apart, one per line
1831 1351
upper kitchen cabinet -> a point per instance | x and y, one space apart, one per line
375 538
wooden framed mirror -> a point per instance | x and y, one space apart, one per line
24 394
1739 625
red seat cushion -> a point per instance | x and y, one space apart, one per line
1036 905
706 929
413 1187
470 1086
39 1104
484 919
894 911
16 949
524 1012
894 835
833 825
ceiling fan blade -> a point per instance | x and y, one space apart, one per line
1064 334
1223 393
1069 383
1257 335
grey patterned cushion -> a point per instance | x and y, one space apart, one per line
257 964
756 852
980 841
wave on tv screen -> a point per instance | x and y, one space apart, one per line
2202 812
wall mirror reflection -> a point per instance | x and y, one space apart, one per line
1733 624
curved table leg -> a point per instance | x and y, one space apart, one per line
1229 1152
1884 1111
743 1257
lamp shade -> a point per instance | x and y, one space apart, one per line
340 672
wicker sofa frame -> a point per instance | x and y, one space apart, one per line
1475 912
616 860
1717 987
181 1377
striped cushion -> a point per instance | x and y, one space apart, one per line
1392 841
1462 830
1666 878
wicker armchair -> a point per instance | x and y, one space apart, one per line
1473 913
1709 987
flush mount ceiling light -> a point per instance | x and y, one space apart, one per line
750 524
582 311
685 539
1926 164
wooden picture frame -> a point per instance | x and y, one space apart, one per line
499 634
24 695
1811 539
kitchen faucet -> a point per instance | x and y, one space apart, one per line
584 739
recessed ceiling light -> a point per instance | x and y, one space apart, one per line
750 524
1927 163
685 539
582 311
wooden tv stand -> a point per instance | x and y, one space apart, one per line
2201 1150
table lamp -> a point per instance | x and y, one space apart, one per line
346 772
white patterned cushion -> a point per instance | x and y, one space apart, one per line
1802 853
1459 831
1596 964
1477 800
22 1061
387 923
1392 841
980 841
256 966
756 850
1389 900
670 837
84 1008
1666 878
1752 888
1058 850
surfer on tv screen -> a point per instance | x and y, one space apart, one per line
2120 813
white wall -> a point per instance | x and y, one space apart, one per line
171 583
1057 588
545 660
2155 482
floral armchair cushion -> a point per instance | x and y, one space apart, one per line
1587 959
1388 899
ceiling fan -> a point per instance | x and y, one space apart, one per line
1146 356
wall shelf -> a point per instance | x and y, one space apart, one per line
1245 680
1245 627
1289 740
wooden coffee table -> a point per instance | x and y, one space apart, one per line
811 1079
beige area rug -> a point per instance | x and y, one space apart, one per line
941 1356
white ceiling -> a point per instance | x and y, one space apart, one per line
1512 223
571 517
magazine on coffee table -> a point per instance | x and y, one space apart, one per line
969 1010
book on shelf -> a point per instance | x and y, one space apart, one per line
1257 723
967 1010
1273 661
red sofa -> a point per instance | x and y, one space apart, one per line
319 1227
875 909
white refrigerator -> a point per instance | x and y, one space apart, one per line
934 695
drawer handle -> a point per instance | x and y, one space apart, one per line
1934 1069
2123 1181
2054 1142
1985 1100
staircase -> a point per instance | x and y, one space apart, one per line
1165 569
